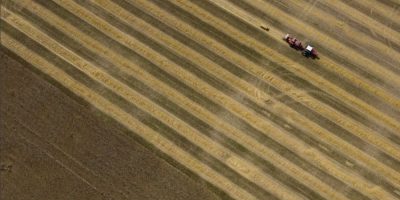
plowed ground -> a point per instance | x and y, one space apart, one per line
55 148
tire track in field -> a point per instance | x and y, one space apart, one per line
67 162
23 166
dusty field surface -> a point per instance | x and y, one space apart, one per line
185 99
55 147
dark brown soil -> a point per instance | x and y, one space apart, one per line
53 147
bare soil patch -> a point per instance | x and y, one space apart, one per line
53 147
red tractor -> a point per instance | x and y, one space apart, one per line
309 51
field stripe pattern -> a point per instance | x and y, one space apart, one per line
232 103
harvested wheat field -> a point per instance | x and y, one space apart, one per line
200 99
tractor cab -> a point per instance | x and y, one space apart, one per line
310 52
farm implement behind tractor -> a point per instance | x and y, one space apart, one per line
308 51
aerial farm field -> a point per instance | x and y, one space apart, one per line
199 99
